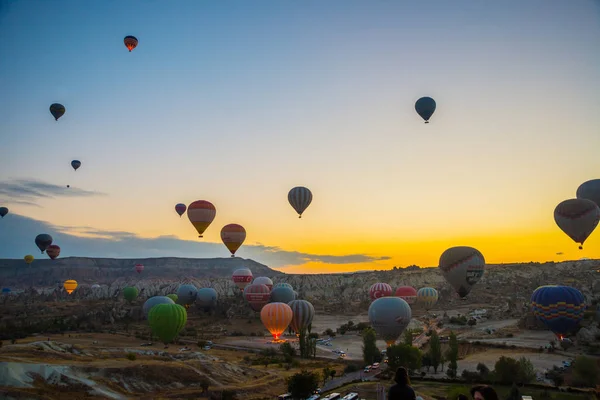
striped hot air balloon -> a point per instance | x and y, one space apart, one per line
276 317
233 235
53 251
300 198
560 308
257 295
380 289
242 277
70 285
139 268
389 316
462 267
427 297
577 218
201 214
407 293
303 313
131 42
263 280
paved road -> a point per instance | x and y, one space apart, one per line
343 380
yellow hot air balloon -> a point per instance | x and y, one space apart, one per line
70 285
201 214
28 258
233 235
276 317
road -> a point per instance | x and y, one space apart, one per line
345 379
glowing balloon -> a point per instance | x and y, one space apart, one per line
233 235
263 280
28 258
180 209
42 241
201 213
407 293
53 251
560 308
300 198
378 290
425 107
389 316
242 277
131 42
166 321
462 267
3 211
70 285
577 218
75 164
276 317
427 297
303 313
57 110
257 295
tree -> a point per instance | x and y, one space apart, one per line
303 384
332 373
514 393
402 355
585 371
435 351
288 351
408 337
426 361
506 369
452 356
556 376
483 370
326 374
526 371
370 350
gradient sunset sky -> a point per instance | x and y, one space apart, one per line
236 102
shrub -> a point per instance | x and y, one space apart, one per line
131 356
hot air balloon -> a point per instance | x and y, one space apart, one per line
263 280
233 235
130 293
560 308
407 293
57 110
257 295
378 290
300 198
242 277
180 209
296 295
282 284
95 286
131 42
42 241
206 299
425 107
172 296
166 321
70 285
389 316
201 213
3 211
28 259
590 190
577 218
427 297
462 267
282 295
186 295
139 268
153 301
75 164
53 251
303 313
276 317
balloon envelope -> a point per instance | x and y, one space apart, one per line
425 107
42 241
167 320
303 313
427 297
53 251
57 110
3 211
276 317
206 298
242 277
282 284
263 280
180 208
152 301
257 295
28 258
172 296
139 268
70 285
407 293
389 316
131 42
560 308
462 267
75 164
282 295
590 190
130 293
201 214
380 289
300 198
233 235
186 295
577 218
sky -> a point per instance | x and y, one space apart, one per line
236 102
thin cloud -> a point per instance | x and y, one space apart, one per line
18 233
27 191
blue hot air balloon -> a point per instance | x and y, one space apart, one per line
560 308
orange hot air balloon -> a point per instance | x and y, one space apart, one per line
70 285
233 235
276 317
201 213
131 42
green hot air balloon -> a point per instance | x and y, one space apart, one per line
173 297
166 321
130 293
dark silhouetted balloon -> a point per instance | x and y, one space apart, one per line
3 211
42 241
300 198
425 107
57 110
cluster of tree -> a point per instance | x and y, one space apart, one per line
351 326
308 344
435 358
459 320
303 384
